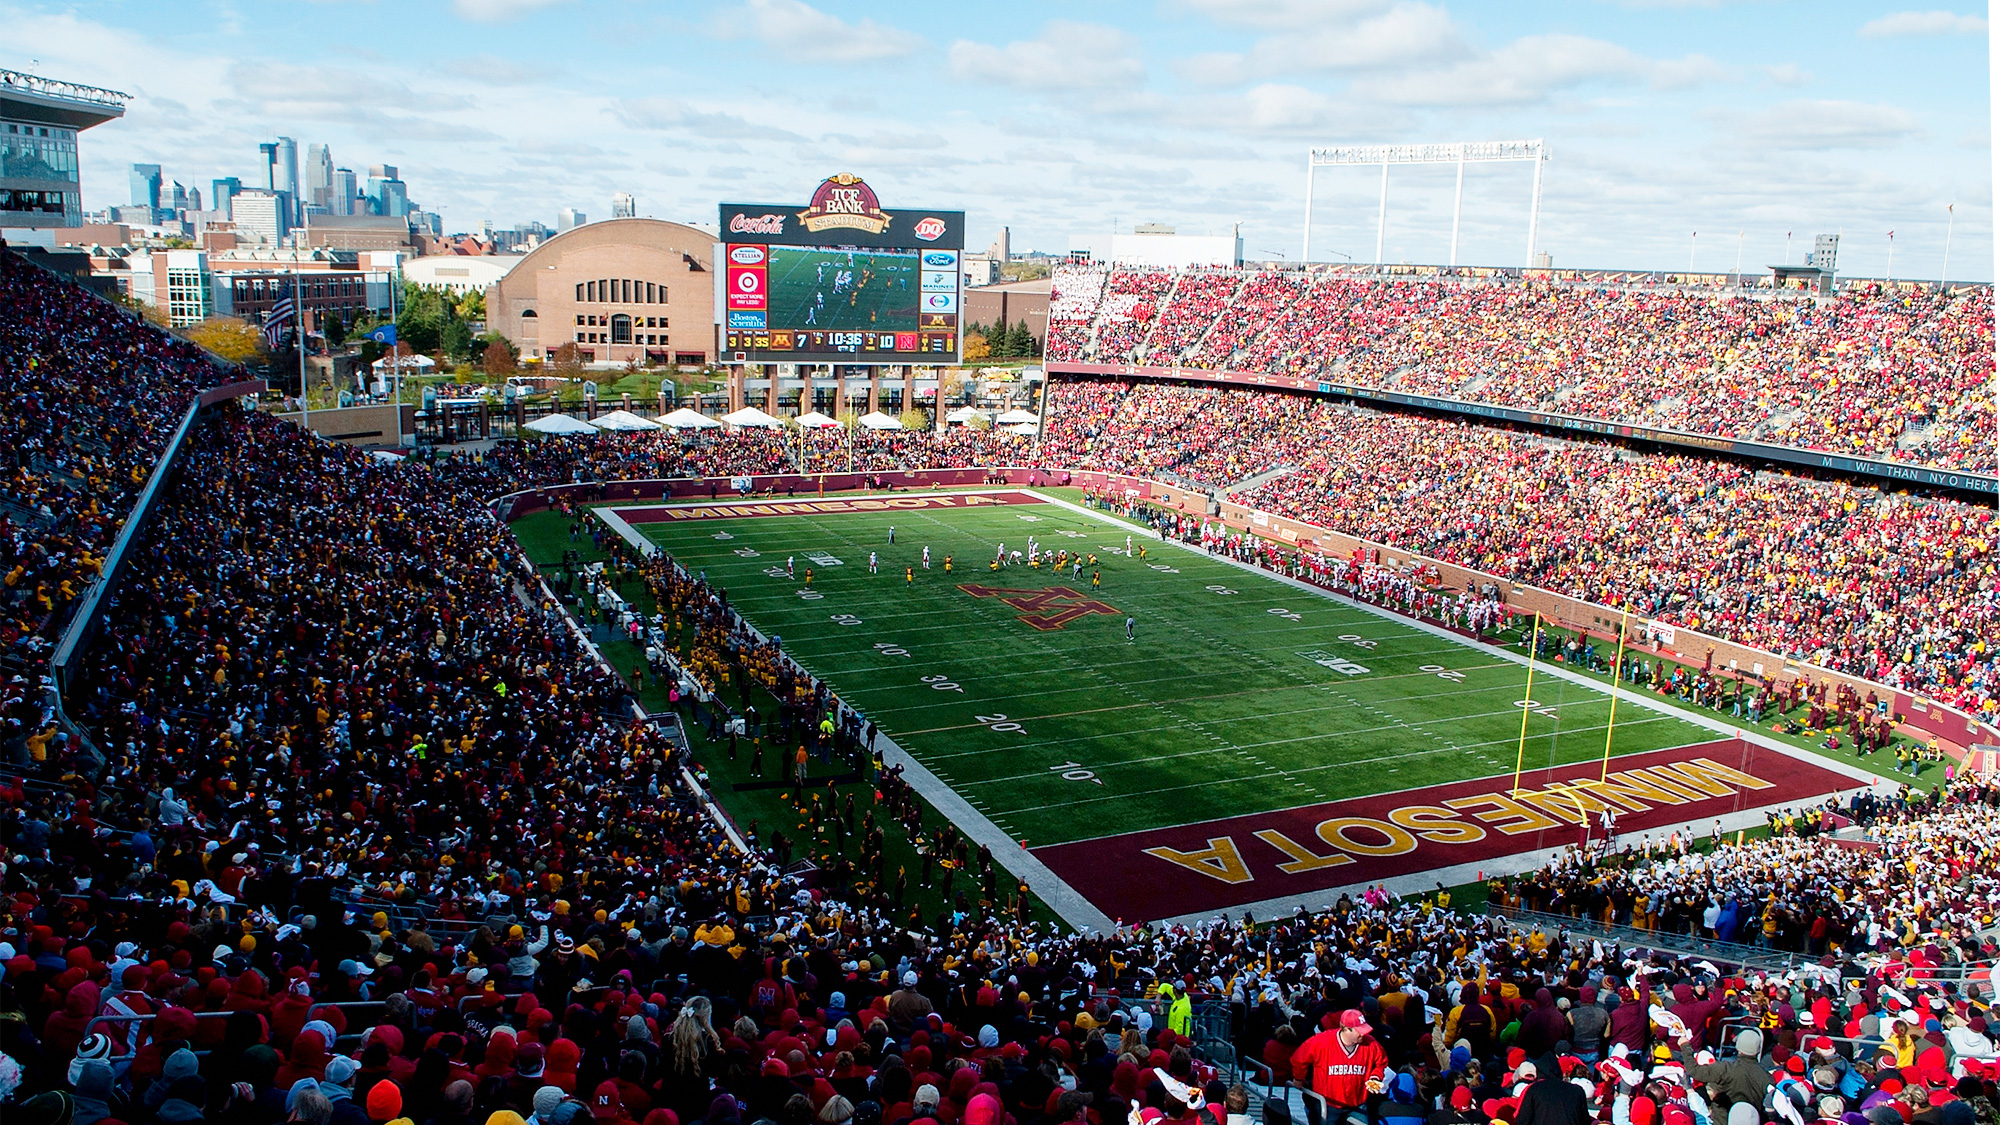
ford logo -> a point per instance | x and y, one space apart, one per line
940 259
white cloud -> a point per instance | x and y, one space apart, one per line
673 115
1902 25
803 33
1282 14
1337 40
1527 70
1066 55
499 11
1811 125
1788 74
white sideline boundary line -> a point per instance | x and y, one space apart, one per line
1080 913
1519 862
1069 904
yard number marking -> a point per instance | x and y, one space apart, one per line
1281 611
810 595
1362 642
846 619
1074 771
1000 723
1443 673
1536 707
1227 590
941 683
745 552
888 649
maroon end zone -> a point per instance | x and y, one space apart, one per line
1195 868
747 509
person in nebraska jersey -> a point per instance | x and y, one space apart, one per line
1344 1065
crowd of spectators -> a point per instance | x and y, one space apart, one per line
89 396
376 838
1903 374
1893 588
1803 887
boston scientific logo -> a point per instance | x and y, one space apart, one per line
844 201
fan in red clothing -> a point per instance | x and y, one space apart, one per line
1344 1065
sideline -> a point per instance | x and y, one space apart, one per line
1068 903
1419 882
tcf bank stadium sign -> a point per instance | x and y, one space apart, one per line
843 211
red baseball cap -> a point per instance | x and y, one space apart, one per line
1353 1018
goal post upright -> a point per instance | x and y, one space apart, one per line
1457 153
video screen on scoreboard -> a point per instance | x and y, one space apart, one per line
889 305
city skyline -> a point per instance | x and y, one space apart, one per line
1679 128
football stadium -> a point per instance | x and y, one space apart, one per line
1298 691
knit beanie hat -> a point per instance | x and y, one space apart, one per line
385 1101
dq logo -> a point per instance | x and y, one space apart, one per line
1047 609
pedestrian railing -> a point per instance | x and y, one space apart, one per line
1686 945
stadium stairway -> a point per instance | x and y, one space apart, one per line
1251 483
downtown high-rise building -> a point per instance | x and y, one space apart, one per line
146 186
318 186
345 188
623 206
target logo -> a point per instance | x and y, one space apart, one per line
749 282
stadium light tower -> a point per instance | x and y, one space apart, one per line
1462 153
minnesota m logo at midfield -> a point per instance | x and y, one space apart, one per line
1047 609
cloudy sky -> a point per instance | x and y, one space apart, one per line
1672 124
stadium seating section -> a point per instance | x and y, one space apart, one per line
366 834
1904 375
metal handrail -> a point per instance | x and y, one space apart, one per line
1686 945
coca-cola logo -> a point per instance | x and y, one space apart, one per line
757 224
930 230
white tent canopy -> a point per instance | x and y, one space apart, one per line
560 424
752 418
814 420
685 419
411 361
963 414
1025 429
876 420
1015 418
623 421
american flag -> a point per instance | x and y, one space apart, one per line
281 314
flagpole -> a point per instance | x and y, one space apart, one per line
396 358
299 317
299 310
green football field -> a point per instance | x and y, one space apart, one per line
1239 692
828 290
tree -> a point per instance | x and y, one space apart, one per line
914 419
455 339
1023 341
498 360
566 361
976 346
334 330
472 306
229 338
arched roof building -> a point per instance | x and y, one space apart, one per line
623 289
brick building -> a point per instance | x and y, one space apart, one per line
623 289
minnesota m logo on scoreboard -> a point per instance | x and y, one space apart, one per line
1047 609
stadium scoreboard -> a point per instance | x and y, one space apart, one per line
840 279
